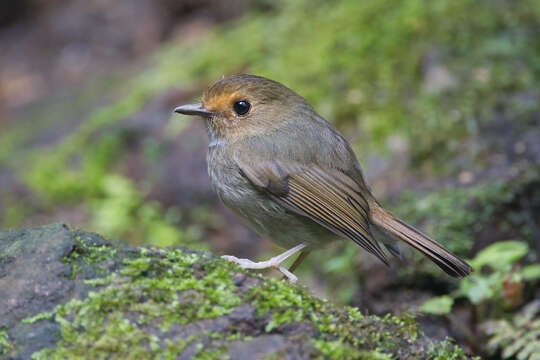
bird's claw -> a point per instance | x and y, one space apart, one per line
244 263
272 263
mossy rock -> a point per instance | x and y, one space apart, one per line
72 294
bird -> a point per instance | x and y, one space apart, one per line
293 177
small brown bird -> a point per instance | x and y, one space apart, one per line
293 177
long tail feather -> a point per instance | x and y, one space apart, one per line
447 261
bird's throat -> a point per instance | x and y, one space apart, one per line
215 139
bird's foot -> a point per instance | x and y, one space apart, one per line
274 262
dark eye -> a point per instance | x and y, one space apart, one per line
241 107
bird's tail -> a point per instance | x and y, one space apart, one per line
447 261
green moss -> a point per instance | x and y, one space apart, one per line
338 350
38 317
86 254
92 254
446 350
153 287
286 304
220 353
173 348
156 291
5 346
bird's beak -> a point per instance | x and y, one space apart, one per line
193 109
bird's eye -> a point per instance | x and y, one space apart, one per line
241 107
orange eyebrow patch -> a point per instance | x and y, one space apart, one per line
221 102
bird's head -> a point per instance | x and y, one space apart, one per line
246 105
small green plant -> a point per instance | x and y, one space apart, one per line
493 269
494 289
518 337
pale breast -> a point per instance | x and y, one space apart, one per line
257 209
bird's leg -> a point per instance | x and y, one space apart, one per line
299 260
274 262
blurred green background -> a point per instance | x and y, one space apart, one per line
440 99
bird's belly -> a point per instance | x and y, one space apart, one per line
262 214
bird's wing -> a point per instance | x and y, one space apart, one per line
327 196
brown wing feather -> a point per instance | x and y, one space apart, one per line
326 196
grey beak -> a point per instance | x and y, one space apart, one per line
193 109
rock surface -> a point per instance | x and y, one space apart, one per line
71 294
